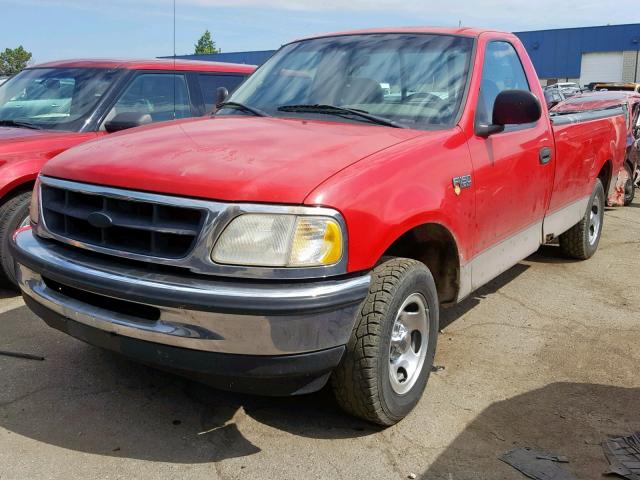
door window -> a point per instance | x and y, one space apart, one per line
164 96
502 71
209 85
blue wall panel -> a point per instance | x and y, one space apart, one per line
558 53
257 57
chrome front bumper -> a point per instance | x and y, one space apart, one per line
196 313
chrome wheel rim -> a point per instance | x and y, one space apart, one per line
594 220
25 222
409 340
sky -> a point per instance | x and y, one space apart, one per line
60 29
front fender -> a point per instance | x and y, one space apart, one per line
389 193
15 175
21 161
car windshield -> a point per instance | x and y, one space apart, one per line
54 98
408 80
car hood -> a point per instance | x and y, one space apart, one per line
24 150
17 139
226 158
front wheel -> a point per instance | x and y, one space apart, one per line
581 241
14 213
390 353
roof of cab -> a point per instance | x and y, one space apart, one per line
461 31
152 64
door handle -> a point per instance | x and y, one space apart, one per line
545 155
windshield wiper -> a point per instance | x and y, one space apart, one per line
246 108
19 124
335 110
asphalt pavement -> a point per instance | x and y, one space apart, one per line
545 356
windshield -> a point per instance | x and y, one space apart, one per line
54 98
414 80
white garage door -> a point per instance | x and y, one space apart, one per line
601 67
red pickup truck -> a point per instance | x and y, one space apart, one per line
311 230
49 108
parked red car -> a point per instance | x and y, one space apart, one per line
604 102
49 108
311 230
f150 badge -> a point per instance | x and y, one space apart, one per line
461 182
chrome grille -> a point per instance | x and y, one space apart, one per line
125 225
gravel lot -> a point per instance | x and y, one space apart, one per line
545 356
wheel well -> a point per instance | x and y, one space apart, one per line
605 175
433 245
17 190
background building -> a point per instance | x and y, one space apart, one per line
585 54
255 57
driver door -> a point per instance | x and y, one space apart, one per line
513 171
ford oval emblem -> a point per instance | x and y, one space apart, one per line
99 220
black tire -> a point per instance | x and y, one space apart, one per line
581 241
12 213
362 383
629 187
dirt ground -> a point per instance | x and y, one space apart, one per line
545 356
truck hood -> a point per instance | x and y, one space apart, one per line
251 159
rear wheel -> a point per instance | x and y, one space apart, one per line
581 241
14 213
390 353
629 187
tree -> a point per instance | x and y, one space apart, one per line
206 44
13 60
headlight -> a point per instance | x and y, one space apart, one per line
279 241
34 207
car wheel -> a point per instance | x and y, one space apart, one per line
581 241
14 213
389 356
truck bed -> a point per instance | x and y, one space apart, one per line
581 138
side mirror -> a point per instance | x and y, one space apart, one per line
512 107
221 95
516 107
125 120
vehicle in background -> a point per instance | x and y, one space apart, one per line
311 230
48 108
553 96
625 87
568 89
603 102
3 79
